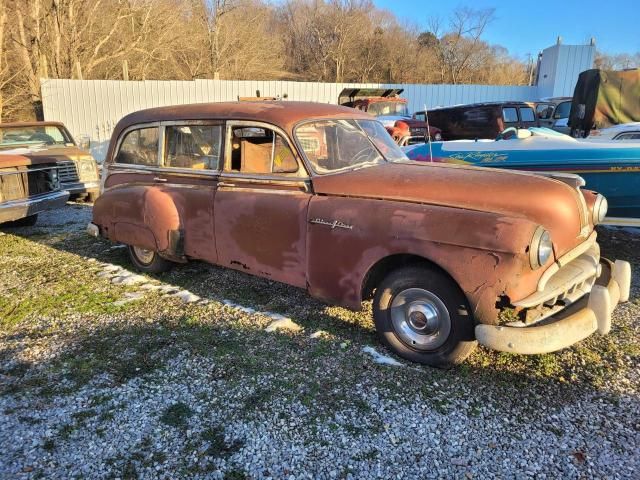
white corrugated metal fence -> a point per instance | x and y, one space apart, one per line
93 107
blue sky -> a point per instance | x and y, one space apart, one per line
529 26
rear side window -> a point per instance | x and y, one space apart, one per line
527 115
477 116
510 115
196 147
139 147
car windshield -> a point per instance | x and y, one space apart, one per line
332 145
380 109
11 137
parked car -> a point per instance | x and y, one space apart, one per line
319 197
78 171
28 187
554 113
392 110
625 131
480 120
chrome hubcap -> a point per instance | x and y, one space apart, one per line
420 319
145 256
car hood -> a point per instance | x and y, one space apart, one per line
9 160
548 202
52 153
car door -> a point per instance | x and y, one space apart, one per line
260 207
191 154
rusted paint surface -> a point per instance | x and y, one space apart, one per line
476 224
263 232
461 187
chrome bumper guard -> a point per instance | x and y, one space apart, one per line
12 210
590 314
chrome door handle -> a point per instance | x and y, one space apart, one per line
159 179
226 184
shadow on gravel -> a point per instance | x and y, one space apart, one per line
123 352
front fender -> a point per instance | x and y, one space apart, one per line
485 253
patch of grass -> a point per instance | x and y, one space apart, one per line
235 475
176 415
49 445
218 447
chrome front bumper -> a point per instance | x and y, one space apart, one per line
81 187
590 314
16 209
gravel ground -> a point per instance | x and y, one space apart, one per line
204 372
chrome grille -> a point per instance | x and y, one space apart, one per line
68 172
567 285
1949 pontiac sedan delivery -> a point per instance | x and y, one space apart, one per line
319 197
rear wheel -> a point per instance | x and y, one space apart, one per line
422 315
148 260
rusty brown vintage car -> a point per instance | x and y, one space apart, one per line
321 198
28 187
52 142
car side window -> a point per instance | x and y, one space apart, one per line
195 147
476 116
510 115
527 115
562 110
544 111
260 150
139 147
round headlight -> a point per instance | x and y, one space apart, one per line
541 248
600 208
437 137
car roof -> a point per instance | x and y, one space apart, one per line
284 114
517 103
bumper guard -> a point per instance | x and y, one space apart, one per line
590 314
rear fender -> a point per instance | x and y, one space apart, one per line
140 215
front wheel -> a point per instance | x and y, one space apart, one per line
148 261
422 315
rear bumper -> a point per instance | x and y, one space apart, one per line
81 187
17 209
590 314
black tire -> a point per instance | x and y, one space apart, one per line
154 264
29 221
451 344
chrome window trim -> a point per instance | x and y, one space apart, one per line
123 134
302 173
202 123
127 168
